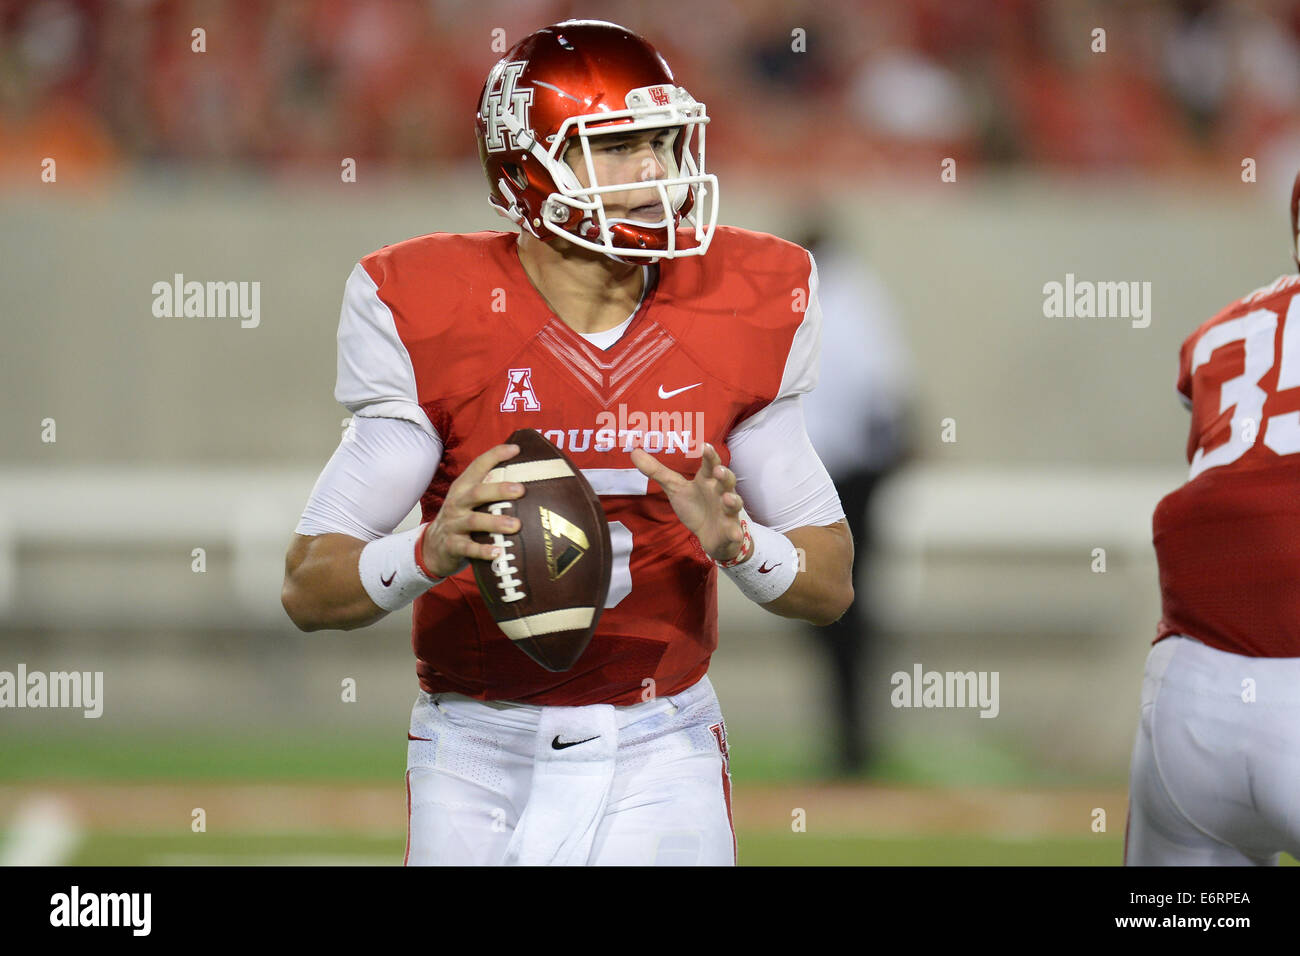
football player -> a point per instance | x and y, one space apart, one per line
666 356
1215 776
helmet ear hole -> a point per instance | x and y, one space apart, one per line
516 174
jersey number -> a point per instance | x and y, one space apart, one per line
1257 331
620 481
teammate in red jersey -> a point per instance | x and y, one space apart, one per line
666 356
1215 777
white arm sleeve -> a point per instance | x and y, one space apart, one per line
375 376
778 474
374 479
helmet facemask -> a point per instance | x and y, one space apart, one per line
577 213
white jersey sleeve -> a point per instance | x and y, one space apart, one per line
375 376
778 474
373 480
803 361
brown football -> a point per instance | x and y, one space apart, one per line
549 585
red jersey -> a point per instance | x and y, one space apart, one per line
1228 541
716 339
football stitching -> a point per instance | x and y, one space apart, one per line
503 564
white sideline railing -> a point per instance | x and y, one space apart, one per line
248 513
926 513
989 509
1042 523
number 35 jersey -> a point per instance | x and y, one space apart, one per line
448 331
1228 541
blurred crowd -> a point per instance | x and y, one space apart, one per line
1181 84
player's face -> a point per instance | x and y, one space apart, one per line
628 158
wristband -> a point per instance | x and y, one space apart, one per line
746 544
392 571
770 568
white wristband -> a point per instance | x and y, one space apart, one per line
770 569
391 572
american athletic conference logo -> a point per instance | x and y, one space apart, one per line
519 388
501 88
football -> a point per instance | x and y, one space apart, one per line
548 587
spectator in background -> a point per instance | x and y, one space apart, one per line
1198 63
891 86
44 113
856 418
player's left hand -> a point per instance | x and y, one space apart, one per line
707 504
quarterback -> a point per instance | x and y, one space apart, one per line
1215 777
666 356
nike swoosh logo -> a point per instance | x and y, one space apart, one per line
389 581
556 745
765 569
677 391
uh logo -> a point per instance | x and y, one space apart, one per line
501 95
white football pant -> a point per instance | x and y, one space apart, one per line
494 783
1215 778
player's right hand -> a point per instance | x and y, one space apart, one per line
447 543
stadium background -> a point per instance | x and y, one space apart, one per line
175 434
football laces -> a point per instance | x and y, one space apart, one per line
503 565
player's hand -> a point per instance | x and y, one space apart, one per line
447 542
707 504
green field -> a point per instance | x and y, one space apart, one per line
290 799
378 758
757 848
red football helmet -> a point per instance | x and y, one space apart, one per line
566 83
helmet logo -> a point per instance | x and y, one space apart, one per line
658 96
499 136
